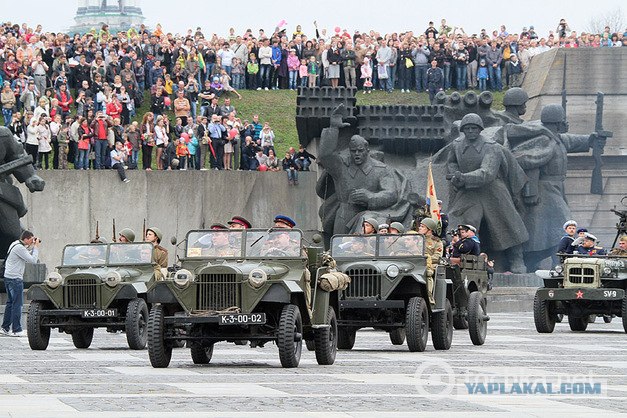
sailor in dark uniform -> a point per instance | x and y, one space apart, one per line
468 243
565 244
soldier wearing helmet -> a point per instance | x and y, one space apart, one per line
126 235
485 177
542 151
433 250
160 254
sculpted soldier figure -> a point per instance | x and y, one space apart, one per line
484 181
365 187
13 160
515 102
541 149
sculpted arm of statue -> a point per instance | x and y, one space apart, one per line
488 171
577 143
329 141
25 174
382 199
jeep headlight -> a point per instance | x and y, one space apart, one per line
53 280
607 271
559 269
257 278
392 271
113 278
183 277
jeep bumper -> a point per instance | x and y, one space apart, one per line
575 294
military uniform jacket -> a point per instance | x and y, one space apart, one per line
434 248
466 246
161 256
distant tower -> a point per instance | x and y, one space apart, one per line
118 14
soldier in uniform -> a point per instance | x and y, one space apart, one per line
160 254
383 228
126 235
467 244
238 222
284 222
565 245
588 245
622 247
396 228
220 244
433 251
370 226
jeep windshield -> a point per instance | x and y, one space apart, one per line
411 245
85 255
214 244
275 243
130 253
354 246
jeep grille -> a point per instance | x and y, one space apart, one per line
216 291
581 275
80 292
365 283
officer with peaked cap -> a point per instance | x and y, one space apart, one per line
282 221
238 222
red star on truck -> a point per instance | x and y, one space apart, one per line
579 294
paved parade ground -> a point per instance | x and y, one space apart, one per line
374 379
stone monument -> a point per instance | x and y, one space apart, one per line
120 15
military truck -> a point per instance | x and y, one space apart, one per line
96 286
243 286
388 291
583 287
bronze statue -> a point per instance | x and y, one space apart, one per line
13 160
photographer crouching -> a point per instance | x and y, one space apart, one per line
22 251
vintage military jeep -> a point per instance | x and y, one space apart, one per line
581 287
96 286
242 286
388 291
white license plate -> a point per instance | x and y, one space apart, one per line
242 319
99 313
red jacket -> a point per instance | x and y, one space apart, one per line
114 109
65 100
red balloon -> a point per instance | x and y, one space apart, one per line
185 136
263 167
167 101
337 29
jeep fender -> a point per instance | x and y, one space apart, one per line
441 290
127 292
37 293
160 293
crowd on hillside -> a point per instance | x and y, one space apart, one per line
73 99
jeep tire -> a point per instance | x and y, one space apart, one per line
311 345
325 341
477 318
290 336
136 324
543 316
159 350
442 327
624 313
417 324
346 338
397 336
200 354
83 337
38 336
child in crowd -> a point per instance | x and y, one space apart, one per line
237 73
302 72
225 80
216 86
133 137
366 74
293 65
482 75
253 69
312 71
192 147
182 153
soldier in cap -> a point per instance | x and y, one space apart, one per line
565 245
126 235
622 247
370 226
384 228
282 221
238 222
396 228
484 178
433 251
221 246
160 254
468 243
588 245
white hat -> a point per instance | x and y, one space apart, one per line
569 223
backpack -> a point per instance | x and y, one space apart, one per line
3 262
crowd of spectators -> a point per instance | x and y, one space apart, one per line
70 99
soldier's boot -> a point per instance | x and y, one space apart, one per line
430 286
516 262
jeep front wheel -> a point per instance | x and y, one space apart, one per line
290 336
442 327
543 315
578 323
38 336
346 338
477 318
325 343
159 350
397 336
624 313
200 354
136 323
83 337
417 324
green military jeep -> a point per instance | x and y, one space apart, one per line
96 285
388 291
582 287
242 286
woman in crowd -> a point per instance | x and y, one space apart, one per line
161 139
147 140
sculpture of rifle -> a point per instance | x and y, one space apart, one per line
596 185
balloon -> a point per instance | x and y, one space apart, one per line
337 29
233 133
282 23
167 101
185 136
263 167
